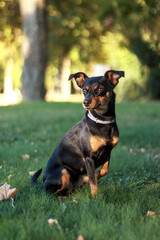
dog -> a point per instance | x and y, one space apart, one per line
88 144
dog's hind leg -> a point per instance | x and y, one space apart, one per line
57 181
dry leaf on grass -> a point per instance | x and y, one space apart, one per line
31 173
25 156
157 156
74 200
10 176
131 151
150 214
80 237
142 150
6 192
52 221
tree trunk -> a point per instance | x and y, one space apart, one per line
34 48
65 84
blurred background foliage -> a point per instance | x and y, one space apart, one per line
120 34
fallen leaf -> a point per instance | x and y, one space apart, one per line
157 156
131 151
150 214
6 192
74 200
52 221
80 237
31 173
142 150
10 176
25 156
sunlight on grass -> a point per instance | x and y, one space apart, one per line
131 188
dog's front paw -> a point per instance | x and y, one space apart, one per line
94 190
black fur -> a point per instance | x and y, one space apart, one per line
87 145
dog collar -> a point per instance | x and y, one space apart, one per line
98 120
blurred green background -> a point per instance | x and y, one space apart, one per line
90 36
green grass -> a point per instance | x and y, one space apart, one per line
131 188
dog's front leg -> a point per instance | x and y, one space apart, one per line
90 167
104 169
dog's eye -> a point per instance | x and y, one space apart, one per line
98 90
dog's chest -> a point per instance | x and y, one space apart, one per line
99 142
101 147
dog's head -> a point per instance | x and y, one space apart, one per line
97 91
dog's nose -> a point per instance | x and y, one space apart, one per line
87 102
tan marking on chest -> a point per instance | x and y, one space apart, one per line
97 142
115 141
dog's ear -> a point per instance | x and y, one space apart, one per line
114 76
79 77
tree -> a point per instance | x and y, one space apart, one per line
9 45
34 48
75 24
139 22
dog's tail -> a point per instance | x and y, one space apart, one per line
34 178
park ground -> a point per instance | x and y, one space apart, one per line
29 133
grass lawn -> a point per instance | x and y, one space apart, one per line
131 188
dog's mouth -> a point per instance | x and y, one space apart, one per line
91 108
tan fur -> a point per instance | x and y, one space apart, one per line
86 179
103 171
65 180
95 87
97 142
80 79
107 94
113 78
115 141
94 189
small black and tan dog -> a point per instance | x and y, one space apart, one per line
88 144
